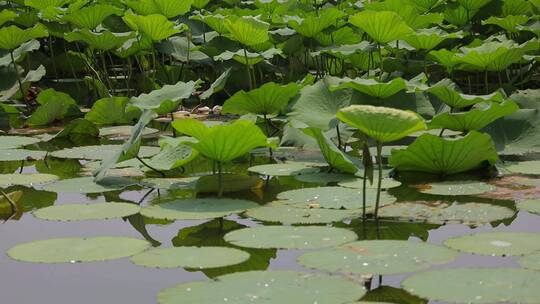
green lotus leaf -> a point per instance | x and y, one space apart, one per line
156 27
533 28
272 286
287 237
78 127
473 5
383 27
197 209
21 154
531 206
433 154
7 16
19 52
530 261
462 187
457 15
231 183
291 215
313 24
448 93
87 185
474 119
173 154
248 30
104 40
370 87
508 23
170 183
191 127
448 59
286 169
428 39
269 99
90 17
133 46
43 4
82 212
7 180
168 8
181 49
226 142
113 111
12 142
11 37
99 152
53 106
177 92
214 21
378 257
31 76
357 183
476 285
525 167
252 58
409 13
217 86
388 294
516 7
72 250
322 178
496 243
381 123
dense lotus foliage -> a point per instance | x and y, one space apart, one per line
405 114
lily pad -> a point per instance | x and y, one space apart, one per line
287 169
527 167
476 285
532 206
12 142
197 209
190 257
333 197
378 257
291 215
124 131
458 188
287 237
273 287
231 183
170 183
81 212
357 183
7 180
87 185
73 250
100 152
322 178
497 243
21 154
530 261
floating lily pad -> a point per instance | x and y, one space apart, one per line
124 131
333 197
170 183
21 154
441 213
291 215
287 169
87 185
458 188
12 142
7 180
72 250
81 212
497 243
190 257
231 183
287 237
101 152
272 287
357 183
197 209
525 167
322 178
378 257
530 261
532 206
476 285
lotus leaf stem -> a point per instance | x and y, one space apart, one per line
17 74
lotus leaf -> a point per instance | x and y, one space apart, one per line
53 106
81 212
428 39
11 37
530 261
88 185
357 183
230 183
170 183
11 142
496 243
153 100
168 8
174 153
197 209
252 58
270 98
286 169
312 25
532 206
248 30
473 5
322 178
21 154
458 188
99 152
383 27
508 23
448 93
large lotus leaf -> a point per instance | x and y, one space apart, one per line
157 27
446 58
77 127
181 49
383 27
428 39
170 183
474 119
90 17
378 257
388 294
87 185
19 52
313 24
370 87
191 127
287 214
270 98
214 21
248 30
82 212
508 23
7 16
73 250
53 106
273 286
316 106
457 15
26 179
496 243
197 209
358 183
11 37
447 92
42 4
173 154
335 157
99 152
153 100
409 12
476 285
433 154
286 169
104 40
226 142
11 142
168 8
381 123
495 56
252 58
460 187
113 111
531 206
230 182
190 257
473 5
287 237
21 154
530 261
525 167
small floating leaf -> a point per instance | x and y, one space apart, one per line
357 183
458 188
197 209
286 169
82 212
532 206
21 154
530 261
88 185
497 243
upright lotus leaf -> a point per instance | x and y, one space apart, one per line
508 23
90 17
113 111
43 4
105 40
381 123
317 105
252 58
382 26
214 21
224 143
495 56
370 87
409 13
11 37
177 92
428 39
156 27
315 23
216 86
332 154
433 154
447 92
448 59
7 16
168 8
473 5
475 119
269 99
191 127
248 31
53 106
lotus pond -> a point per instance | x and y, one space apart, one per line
269 151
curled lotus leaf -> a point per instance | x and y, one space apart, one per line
270 98
248 30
